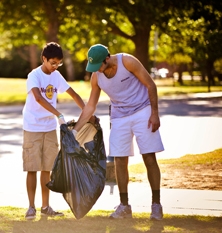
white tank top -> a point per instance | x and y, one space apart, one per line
127 94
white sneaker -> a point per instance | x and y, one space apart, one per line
157 212
122 211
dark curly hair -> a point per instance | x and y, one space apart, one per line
52 50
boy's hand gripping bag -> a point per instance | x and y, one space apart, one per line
79 171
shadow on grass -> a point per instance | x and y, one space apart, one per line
98 222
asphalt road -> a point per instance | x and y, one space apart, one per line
188 125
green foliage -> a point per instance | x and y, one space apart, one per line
218 65
190 32
13 65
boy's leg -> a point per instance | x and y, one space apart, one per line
50 151
44 179
46 208
31 187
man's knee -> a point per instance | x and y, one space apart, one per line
121 160
150 159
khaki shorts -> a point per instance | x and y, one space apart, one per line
124 129
39 150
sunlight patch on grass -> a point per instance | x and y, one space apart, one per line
137 168
212 157
12 220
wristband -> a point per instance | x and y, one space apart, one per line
60 116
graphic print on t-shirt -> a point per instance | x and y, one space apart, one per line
49 91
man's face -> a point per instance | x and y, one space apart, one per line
104 66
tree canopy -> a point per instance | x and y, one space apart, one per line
188 31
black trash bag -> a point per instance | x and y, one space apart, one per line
79 171
57 182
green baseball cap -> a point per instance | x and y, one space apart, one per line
96 55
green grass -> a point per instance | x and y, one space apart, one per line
12 220
13 90
209 158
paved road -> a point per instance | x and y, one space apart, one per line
188 125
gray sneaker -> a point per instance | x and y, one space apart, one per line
122 211
31 213
50 212
157 212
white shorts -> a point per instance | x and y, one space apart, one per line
123 130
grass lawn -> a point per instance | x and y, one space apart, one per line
13 90
186 161
12 220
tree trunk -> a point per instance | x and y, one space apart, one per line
33 56
180 74
52 35
52 20
191 71
210 67
203 75
141 41
69 66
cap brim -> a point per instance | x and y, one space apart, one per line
93 67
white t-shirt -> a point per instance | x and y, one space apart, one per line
35 117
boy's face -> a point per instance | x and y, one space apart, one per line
50 65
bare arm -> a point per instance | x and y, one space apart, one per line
43 102
134 66
76 98
90 107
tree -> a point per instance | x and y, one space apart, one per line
35 23
194 37
210 13
132 19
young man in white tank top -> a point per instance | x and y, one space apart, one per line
134 112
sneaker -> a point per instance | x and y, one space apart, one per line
157 212
31 213
50 212
122 211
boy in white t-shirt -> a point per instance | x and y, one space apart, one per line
40 144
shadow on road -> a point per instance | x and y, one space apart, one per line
194 108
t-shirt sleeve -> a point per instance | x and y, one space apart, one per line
63 84
32 81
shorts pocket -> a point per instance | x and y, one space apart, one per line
27 147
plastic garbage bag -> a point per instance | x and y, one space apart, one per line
79 171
